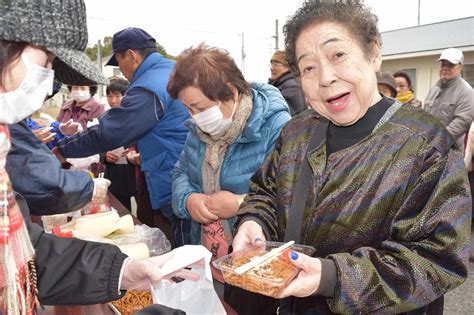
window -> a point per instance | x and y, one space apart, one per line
468 73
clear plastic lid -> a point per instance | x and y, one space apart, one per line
268 278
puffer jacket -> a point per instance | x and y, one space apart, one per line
269 114
392 212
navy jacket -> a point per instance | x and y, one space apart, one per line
36 174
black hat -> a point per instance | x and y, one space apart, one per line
130 38
58 25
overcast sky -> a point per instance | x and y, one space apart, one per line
178 24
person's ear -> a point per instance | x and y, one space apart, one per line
377 58
233 89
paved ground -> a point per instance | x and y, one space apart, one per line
461 299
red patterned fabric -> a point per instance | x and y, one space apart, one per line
17 275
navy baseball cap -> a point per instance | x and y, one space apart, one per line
130 38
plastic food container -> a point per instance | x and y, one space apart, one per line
268 278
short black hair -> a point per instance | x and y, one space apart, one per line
92 89
117 85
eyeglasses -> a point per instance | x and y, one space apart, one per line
274 63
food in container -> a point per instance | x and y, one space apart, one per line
268 278
131 302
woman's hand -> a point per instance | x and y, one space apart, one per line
196 205
111 157
250 234
224 204
308 279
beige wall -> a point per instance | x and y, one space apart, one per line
427 69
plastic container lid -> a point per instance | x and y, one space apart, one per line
268 278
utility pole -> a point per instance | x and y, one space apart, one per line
242 62
418 12
276 34
99 64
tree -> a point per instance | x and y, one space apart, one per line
91 52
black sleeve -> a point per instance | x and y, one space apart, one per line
36 173
73 271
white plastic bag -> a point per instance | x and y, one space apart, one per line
83 163
193 297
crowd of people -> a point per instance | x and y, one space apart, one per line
332 152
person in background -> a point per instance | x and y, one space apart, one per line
451 99
386 84
233 128
117 169
147 115
82 107
35 265
282 78
405 93
385 200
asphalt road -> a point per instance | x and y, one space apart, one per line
461 299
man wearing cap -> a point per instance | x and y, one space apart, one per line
282 78
451 99
147 115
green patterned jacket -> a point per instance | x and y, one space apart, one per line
392 211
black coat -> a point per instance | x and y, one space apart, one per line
291 91
121 176
73 271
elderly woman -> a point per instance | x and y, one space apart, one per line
233 128
386 204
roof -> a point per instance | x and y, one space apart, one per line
430 37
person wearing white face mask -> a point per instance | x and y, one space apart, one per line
82 107
233 128
34 265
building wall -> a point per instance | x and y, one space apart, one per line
427 70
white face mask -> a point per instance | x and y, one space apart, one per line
29 96
80 96
212 120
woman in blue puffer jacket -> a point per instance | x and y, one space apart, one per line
233 128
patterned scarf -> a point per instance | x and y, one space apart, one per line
217 145
405 97
17 270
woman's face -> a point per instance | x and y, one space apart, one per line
402 85
15 72
196 102
337 78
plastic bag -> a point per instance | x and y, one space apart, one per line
154 238
193 297
83 163
51 221
96 206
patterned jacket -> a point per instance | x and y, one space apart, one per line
392 211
